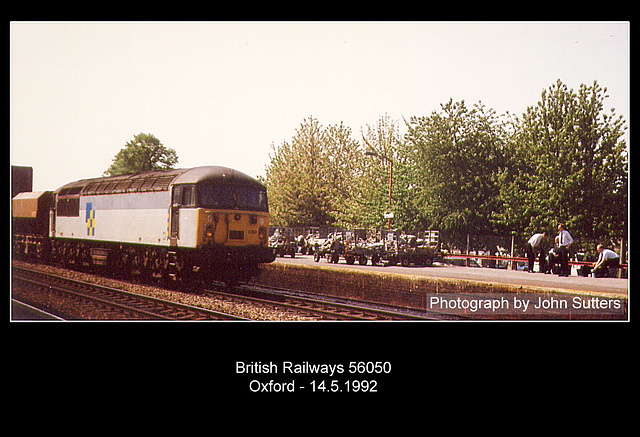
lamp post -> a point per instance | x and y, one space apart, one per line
372 153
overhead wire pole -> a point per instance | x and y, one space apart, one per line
372 153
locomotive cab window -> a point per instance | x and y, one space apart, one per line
184 195
232 197
251 198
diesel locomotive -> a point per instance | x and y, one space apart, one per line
181 225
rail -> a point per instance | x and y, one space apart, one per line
116 299
322 308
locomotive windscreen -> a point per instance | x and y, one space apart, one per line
232 197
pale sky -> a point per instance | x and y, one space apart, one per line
220 93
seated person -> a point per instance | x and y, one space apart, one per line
608 258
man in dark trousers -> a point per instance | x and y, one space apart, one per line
564 241
607 258
534 246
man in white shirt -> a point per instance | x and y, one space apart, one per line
534 245
564 241
608 258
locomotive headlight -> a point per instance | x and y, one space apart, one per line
262 233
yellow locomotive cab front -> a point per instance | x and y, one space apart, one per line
232 228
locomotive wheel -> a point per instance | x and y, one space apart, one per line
350 259
156 266
44 251
405 262
362 260
135 260
146 266
83 257
117 262
316 256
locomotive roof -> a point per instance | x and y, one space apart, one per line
213 173
159 180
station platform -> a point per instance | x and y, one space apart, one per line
609 287
467 292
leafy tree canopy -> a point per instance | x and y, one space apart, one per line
464 170
144 153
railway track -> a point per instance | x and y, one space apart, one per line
119 304
320 308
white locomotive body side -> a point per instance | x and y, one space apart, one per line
138 218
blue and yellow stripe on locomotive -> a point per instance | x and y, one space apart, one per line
91 219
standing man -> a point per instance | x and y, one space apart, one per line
564 241
608 258
534 245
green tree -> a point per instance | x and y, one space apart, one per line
455 157
309 177
343 164
464 170
144 153
297 195
569 164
